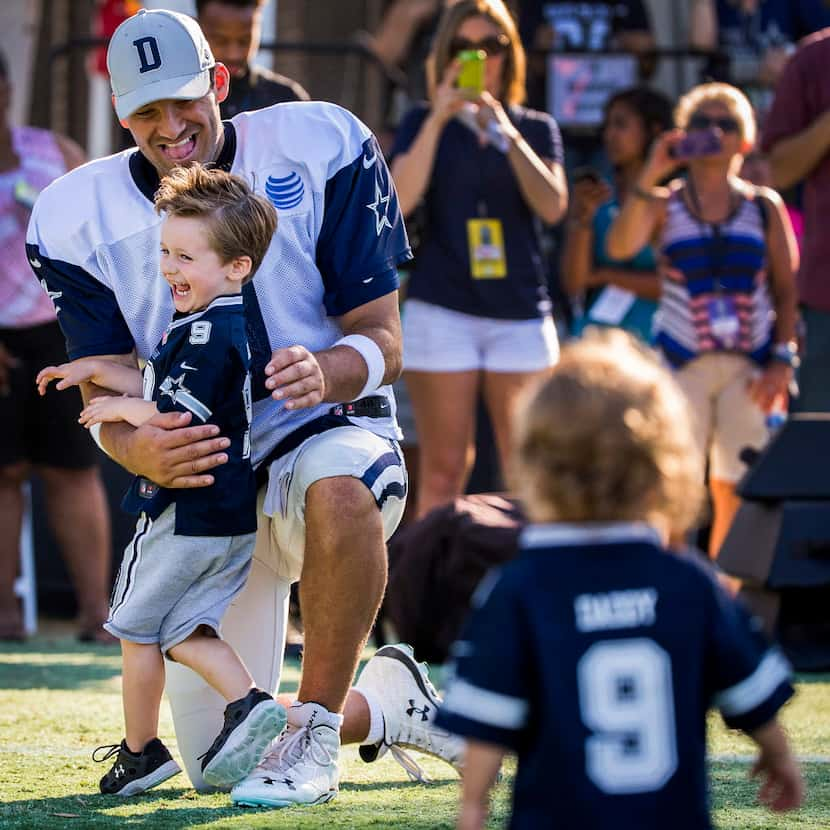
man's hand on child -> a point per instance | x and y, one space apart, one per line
295 376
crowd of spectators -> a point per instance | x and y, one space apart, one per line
513 197
612 121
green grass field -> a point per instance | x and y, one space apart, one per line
59 700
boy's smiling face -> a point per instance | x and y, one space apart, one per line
192 268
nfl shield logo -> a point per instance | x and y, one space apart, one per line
146 488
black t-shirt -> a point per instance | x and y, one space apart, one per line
260 88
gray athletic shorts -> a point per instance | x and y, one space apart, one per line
169 585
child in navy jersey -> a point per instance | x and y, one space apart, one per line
192 549
596 654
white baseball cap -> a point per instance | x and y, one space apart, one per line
155 55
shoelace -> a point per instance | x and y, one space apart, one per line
410 766
111 749
291 748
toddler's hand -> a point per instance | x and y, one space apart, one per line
104 409
71 374
782 788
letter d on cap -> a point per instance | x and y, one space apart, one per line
142 45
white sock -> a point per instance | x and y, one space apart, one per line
304 714
376 723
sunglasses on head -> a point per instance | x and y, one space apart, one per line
704 122
493 45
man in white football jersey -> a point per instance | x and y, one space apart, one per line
324 332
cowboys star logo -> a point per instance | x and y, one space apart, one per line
380 207
173 387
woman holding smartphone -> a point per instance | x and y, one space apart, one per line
727 309
614 293
478 316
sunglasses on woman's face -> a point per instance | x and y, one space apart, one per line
493 45
704 122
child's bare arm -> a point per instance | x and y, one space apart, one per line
101 410
481 766
104 373
782 787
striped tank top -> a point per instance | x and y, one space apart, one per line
714 294
23 303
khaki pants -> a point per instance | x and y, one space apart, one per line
726 419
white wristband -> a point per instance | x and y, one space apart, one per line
95 433
372 356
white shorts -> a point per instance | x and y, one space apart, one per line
168 585
255 623
437 339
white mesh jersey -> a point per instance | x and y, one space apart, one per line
93 242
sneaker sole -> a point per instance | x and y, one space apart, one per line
246 745
253 801
156 777
371 752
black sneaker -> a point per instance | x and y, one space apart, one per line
132 774
250 725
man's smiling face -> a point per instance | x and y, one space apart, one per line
171 133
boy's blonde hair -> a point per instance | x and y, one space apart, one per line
730 97
240 222
608 437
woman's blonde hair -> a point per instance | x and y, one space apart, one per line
730 97
513 89
608 437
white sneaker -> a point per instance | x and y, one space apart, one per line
301 768
409 703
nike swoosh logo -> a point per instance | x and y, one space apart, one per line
367 163
188 368
35 263
366 282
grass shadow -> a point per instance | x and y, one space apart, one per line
815 677
172 809
368 786
55 675
94 811
43 644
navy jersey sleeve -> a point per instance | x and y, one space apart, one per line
750 678
487 697
408 130
87 311
198 376
362 239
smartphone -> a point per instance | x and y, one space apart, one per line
698 143
471 75
582 174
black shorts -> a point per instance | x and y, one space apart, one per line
41 430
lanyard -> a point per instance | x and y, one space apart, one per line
718 246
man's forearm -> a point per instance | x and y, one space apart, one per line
115 438
346 371
794 158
